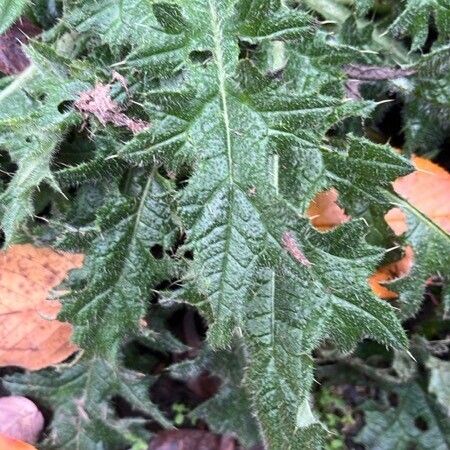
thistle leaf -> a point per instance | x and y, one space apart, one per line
32 126
120 267
241 229
79 398
431 246
11 10
414 20
417 420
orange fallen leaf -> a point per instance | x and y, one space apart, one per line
427 189
389 272
324 212
30 337
7 443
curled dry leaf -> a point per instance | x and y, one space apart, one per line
427 189
373 73
8 443
359 73
12 57
20 419
30 337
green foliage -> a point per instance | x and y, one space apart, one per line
10 11
32 126
229 410
249 119
417 421
79 397
120 268
431 247
412 18
335 415
415 17
426 97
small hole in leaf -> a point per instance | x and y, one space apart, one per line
188 326
247 50
44 214
201 57
42 97
157 251
393 399
421 423
293 4
182 177
65 106
166 285
28 140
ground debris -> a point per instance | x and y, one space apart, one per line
12 57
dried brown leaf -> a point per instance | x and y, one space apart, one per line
12 57
30 337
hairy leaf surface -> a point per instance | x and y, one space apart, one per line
249 118
11 10
79 398
120 266
417 420
31 127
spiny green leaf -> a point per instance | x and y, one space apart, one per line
417 420
359 171
431 247
79 397
32 126
10 11
414 20
426 96
229 120
120 267
296 308
116 23
241 96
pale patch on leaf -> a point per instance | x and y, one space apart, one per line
98 101
291 246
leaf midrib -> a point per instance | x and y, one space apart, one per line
219 59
